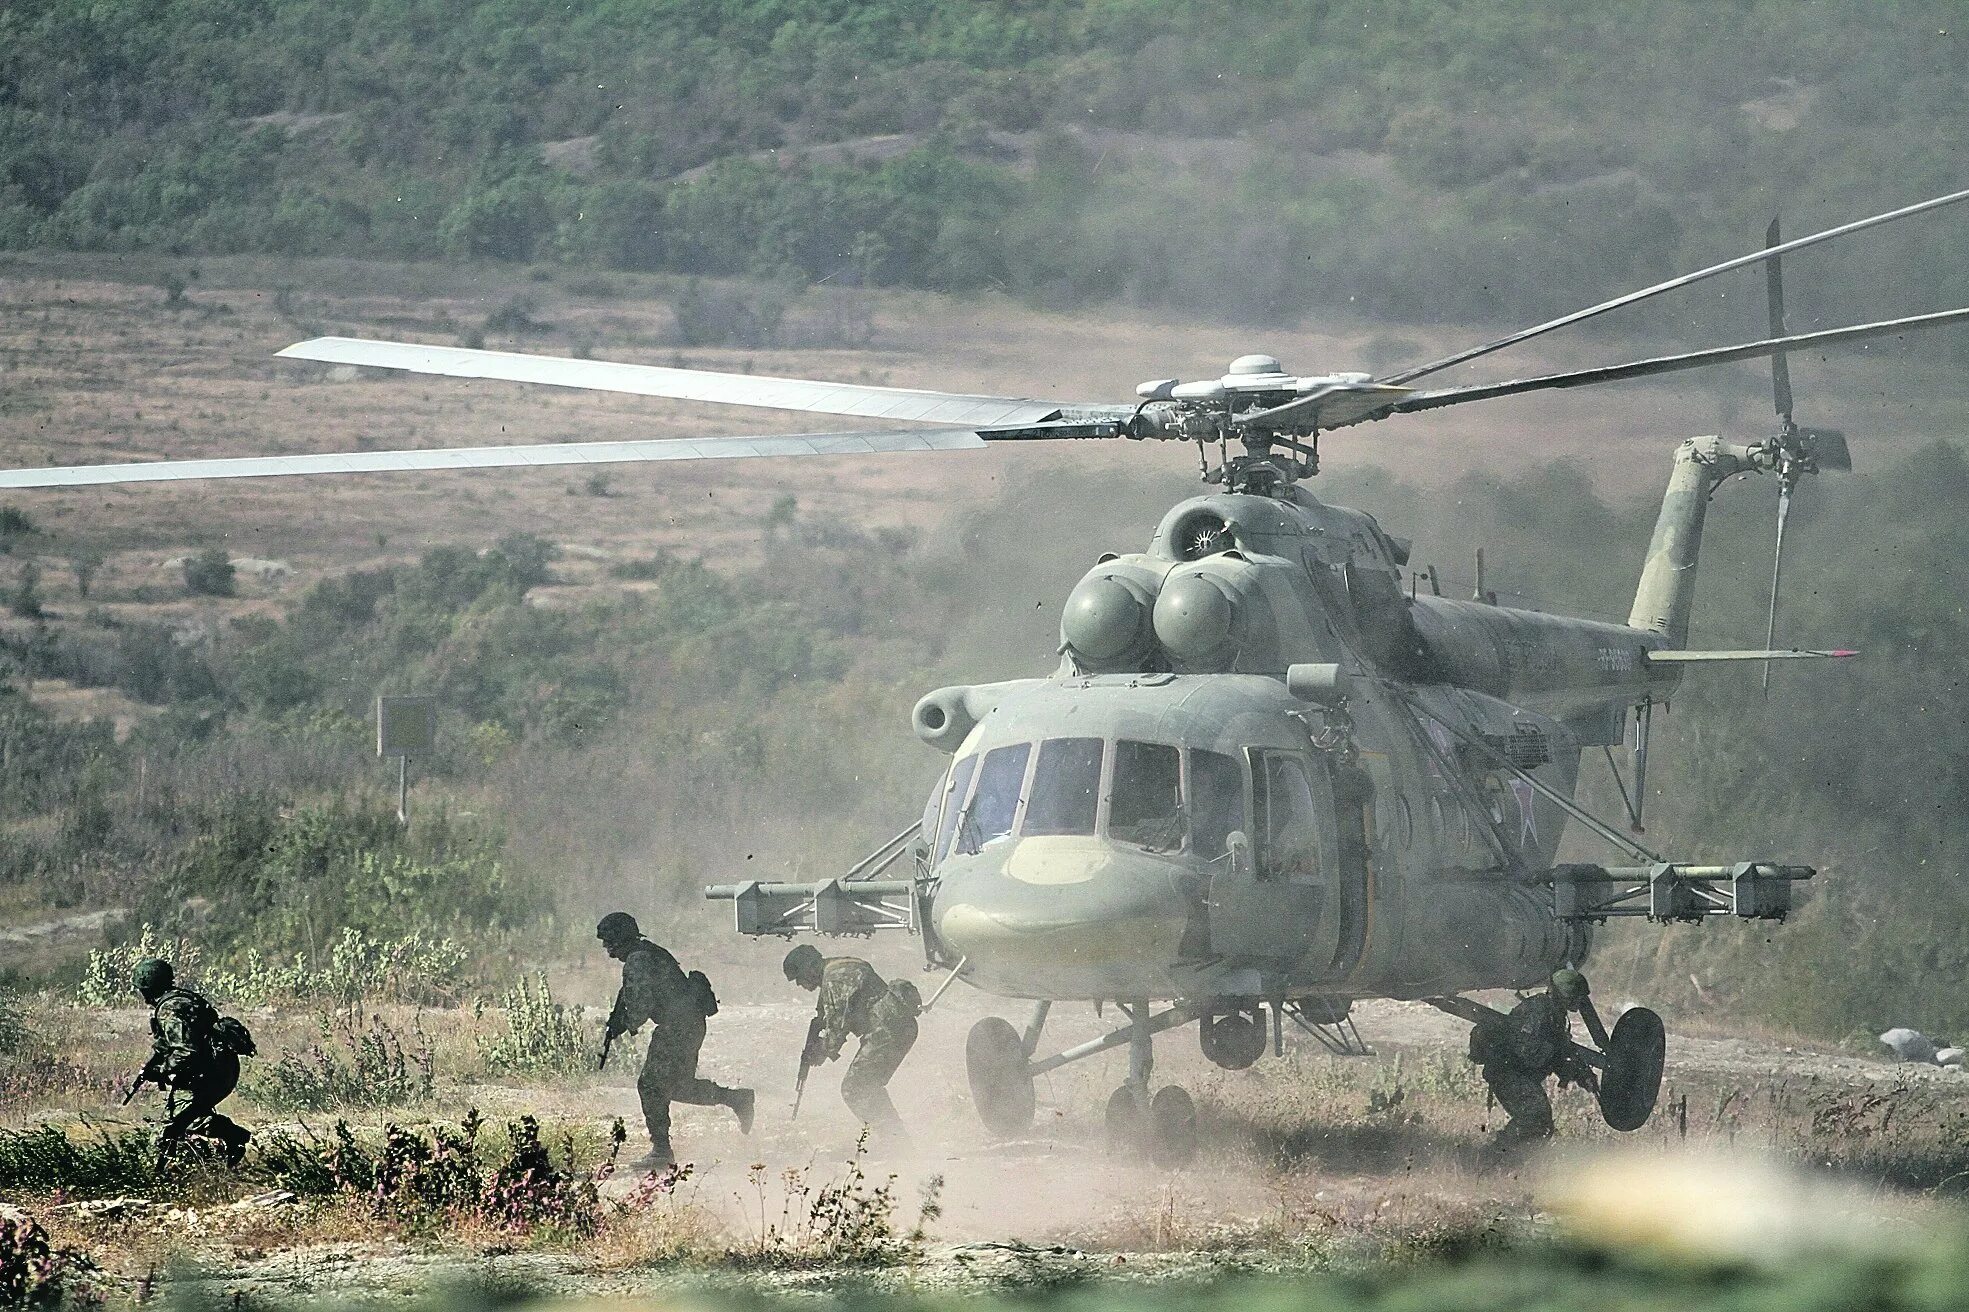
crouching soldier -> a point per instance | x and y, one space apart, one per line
1519 1051
655 989
855 1000
195 1055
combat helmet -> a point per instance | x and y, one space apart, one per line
802 961
618 927
153 976
1569 984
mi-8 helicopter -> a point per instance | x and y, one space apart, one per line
1265 779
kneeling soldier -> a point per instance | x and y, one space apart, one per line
191 1056
655 988
855 1000
1518 1052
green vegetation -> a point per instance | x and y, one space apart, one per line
354 1063
1416 161
35 1273
543 1037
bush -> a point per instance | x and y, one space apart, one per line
210 574
543 1037
44 1158
440 1179
850 1220
354 1065
36 1274
106 977
361 969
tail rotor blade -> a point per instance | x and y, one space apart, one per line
1777 575
1774 284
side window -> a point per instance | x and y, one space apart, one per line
1146 806
1216 801
996 803
1288 825
953 801
1066 787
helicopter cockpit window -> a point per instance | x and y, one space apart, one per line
953 801
1216 801
995 804
1287 818
1146 807
1066 787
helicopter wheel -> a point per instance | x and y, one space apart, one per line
1001 1076
1632 1079
1172 1126
1127 1121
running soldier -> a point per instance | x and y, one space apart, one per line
195 1055
855 1000
655 989
1518 1052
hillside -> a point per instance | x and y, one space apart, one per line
1413 161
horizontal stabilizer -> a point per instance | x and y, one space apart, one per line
1711 657
860 399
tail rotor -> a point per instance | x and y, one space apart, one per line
1793 451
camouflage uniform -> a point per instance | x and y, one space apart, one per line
183 1060
1518 1052
855 1000
654 988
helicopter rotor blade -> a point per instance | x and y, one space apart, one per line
1687 279
494 457
810 395
1780 370
1777 574
1664 364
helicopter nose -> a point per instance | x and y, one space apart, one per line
1066 917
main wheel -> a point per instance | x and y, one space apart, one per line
1233 1040
1172 1127
1632 1080
1127 1122
1000 1074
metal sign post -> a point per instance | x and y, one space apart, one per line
405 727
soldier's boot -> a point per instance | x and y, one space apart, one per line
658 1158
743 1103
235 1138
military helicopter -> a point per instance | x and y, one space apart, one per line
1265 779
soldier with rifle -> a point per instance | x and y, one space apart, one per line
195 1053
656 990
855 1000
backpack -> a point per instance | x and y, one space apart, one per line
707 1001
230 1035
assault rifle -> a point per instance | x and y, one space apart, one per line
810 1057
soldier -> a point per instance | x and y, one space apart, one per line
1517 1053
186 1060
655 988
855 1000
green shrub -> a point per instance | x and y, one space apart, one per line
360 969
44 1158
353 1065
36 1274
442 1177
106 977
542 1036
210 574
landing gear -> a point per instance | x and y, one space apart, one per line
1157 1123
1161 1125
1632 1079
